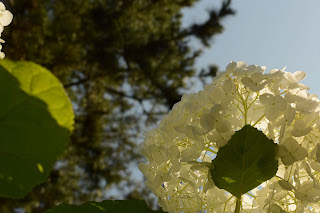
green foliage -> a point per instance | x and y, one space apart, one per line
124 63
109 206
36 120
246 161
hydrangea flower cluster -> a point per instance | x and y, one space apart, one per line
180 150
5 19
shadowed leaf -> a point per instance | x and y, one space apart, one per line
36 119
110 206
246 161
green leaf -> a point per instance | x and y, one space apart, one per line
36 120
110 206
246 161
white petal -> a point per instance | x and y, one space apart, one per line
280 102
274 71
248 82
217 95
300 154
2 7
266 98
219 139
210 184
314 96
262 68
239 72
207 121
290 97
298 85
286 185
315 165
307 106
302 95
291 144
193 132
289 115
271 75
301 196
288 160
218 111
6 18
257 77
272 113
274 208
230 67
306 130
159 154
270 129
181 128
221 142
299 133
299 75
145 169
251 68
282 151
306 166
227 101
185 180
175 167
258 87
223 125
174 152
213 136
227 86
313 195
290 77
300 125
242 65
282 130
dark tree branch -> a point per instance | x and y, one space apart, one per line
82 81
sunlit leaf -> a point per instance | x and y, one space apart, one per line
109 206
36 119
246 161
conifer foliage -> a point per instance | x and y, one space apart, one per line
124 64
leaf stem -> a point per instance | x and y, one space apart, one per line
238 205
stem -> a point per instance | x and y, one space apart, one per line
258 120
245 115
238 205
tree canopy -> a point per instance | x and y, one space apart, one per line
124 64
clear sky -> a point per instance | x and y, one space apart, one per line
273 33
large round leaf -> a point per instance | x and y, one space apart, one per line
108 206
36 119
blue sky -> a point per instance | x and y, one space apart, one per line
272 33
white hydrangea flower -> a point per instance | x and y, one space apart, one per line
290 151
5 19
276 103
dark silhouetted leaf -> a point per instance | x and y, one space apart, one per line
36 119
246 161
110 206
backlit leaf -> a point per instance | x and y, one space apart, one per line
246 161
36 119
